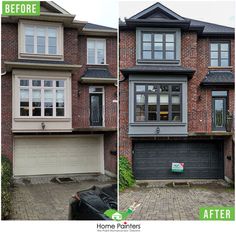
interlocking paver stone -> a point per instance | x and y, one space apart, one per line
44 200
168 203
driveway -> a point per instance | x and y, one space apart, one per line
165 202
41 199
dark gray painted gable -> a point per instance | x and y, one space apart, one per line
156 11
161 16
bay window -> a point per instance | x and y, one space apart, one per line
158 102
42 98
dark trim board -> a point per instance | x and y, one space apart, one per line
203 159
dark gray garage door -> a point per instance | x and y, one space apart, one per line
153 160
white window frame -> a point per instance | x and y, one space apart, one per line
42 89
96 40
41 56
18 75
103 102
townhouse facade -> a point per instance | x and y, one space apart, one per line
59 101
176 96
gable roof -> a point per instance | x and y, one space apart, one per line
158 15
211 28
50 6
91 26
157 8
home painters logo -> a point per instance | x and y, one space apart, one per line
217 213
121 215
21 8
118 227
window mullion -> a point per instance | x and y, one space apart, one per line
219 55
164 46
152 46
169 104
158 103
146 103
46 40
42 98
30 98
96 54
54 100
35 39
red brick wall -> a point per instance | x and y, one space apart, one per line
75 53
110 144
127 59
80 91
9 53
194 55
228 164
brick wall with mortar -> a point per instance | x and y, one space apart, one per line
110 145
127 59
194 55
9 42
74 53
80 91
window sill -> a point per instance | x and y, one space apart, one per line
42 119
40 57
157 124
97 64
220 67
139 61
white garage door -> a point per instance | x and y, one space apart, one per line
58 155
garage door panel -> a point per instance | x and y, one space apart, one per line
153 160
36 156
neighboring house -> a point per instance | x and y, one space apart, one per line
59 103
176 95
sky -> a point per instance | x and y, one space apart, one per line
106 12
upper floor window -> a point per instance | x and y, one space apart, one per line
219 54
96 51
158 102
158 46
41 40
42 98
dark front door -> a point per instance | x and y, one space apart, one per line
219 114
202 159
96 110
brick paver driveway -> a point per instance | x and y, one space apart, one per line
163 202
46 201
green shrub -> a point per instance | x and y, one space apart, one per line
6 174
126 178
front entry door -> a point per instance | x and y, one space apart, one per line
219 114
96 112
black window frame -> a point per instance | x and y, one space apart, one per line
219 52
157 92
223 95
164 50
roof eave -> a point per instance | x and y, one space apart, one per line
40 66
96 32
189 73
210 84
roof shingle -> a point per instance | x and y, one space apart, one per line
219 78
